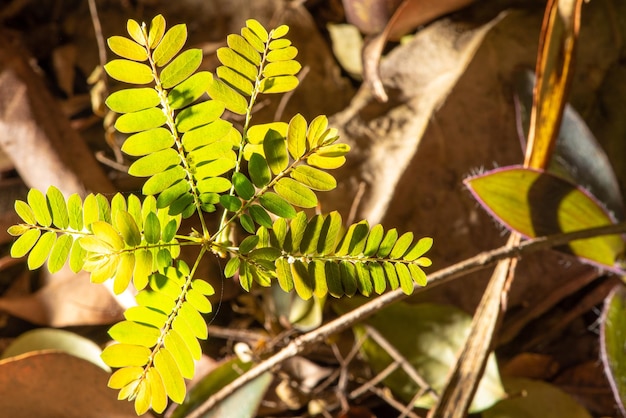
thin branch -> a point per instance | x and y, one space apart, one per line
472 264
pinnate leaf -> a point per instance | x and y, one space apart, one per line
171 44
181 68
132 100
295 193
127 48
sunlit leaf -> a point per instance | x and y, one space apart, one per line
59 253
189 90
154 163
134 333
41 250
238 44
171 44
233 101
129 71
157 29
313 178
236 62
58 208
277 205
535 204
39 205
295 193
198 115
141 120
181 68
279 84
123 355
126 48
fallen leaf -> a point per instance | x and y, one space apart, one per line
54 384
534 398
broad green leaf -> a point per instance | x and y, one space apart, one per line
329 234
128 228
235 80
253 39
141 120
133 100
38 203
243 186
534 203
134 333
612 342
313 178
236 62
189 90
258 29
327 163
296 137
60 252
172 193
181 68
58 207
203 287
279 44
401 246
105 232
445 328
125 376
311 235
274 69
214 185
303 283
129 71
333 150
355 239
148 142
25 243
198 301
540 399
145 315
233 101
195 321
41 250
180 353
283 54
295 193
152 229
124 272
126 48
172 378
275 149
374 239
238 44
161 181
279 84
215 168
280 31
231 267
418 249
25 212
206 134
231 203
247 223
418 275
260 216
259 171
277 205
171 44
157 29
135 32
257 133
387 243
198 115
154 163
77 257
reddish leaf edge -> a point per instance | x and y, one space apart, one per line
619 269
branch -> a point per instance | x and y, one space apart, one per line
444 275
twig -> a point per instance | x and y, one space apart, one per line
477 262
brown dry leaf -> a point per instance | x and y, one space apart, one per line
532 366
53 384
587 383
67 300
391 19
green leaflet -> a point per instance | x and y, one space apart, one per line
239 44
295 193
314 178
233 60
154 163
148 142
189 90
141 120
181 68
198 115
279 84
132 100
127 48
157 29
172 42
233 101
281 68
275 149
57 207
129 71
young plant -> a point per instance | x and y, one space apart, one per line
196 163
